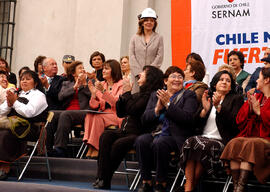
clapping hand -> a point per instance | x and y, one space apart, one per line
11 97
127 85
92 89
206 103
216 98
254 104
163 100
91 75
164 96
99 86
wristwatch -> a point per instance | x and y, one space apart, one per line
168 104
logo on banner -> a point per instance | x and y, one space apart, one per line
231 10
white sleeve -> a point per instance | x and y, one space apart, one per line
36 105
4 108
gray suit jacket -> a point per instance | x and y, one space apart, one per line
141 54
67 92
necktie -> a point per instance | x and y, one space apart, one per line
49 80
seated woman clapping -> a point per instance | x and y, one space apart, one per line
171 110
249 151
3 84
75 96
114 144
103 98
24 111
216 124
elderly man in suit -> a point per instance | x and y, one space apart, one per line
52 84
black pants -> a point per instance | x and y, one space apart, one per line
66 121
58 130
113 146
51 129
154 153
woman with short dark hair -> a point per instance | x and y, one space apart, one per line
12 79
38 64
236 59
170 112
24 111
104 96
3 84
96 61
74 96
194 74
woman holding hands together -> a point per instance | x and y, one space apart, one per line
104 95
215 122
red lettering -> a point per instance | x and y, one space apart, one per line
243 50
225 59
217 56
254 54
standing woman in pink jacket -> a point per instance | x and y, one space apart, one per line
146 47
104 95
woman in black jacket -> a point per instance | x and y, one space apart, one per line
114 144
216 125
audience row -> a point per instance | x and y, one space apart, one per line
211 129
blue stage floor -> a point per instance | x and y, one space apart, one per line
73 184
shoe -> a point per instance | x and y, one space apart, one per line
101 184
160 188
95 183
3 175
146 188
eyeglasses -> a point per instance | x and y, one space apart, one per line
176 77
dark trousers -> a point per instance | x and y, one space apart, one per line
67 120
154 153
113 146
51 129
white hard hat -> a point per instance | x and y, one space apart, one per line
148 12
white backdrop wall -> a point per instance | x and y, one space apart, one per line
79 27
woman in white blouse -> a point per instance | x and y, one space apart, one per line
26 108
216 125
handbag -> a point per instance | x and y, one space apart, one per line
19 126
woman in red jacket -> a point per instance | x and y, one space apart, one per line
249 151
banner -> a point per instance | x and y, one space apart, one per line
219 26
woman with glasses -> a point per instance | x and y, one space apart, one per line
170 112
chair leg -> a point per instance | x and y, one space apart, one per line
134 181
183 180
83 151
48 165
79 152
138 180
125 167
227 184
28 161
175 179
